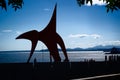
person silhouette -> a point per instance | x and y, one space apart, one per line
49 37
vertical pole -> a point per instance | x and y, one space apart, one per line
42 53
50 58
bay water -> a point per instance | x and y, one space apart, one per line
74 56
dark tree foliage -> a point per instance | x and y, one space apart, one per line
3 4
16 4
111 5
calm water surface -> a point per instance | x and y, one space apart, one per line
22 56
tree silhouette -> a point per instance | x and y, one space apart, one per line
16 4
111 5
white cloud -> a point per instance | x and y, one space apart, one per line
95 36
117 42
46 9
78 35
18 32
97 2
89 44
7 31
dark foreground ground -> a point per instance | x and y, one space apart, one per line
58 71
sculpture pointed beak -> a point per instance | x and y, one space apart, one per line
18 37
30 35
22 36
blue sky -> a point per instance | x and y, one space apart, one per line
83 27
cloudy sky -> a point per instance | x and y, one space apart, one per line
83 27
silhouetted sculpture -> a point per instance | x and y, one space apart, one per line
49 37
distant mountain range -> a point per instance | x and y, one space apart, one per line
103 48
96 48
